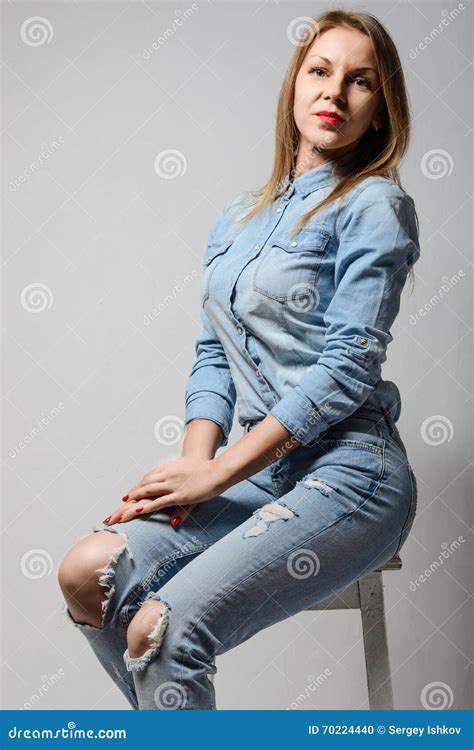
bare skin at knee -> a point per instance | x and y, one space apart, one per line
79 575
146 628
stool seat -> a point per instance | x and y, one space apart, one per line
366 595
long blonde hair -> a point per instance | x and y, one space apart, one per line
378 152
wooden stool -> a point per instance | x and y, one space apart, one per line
366 594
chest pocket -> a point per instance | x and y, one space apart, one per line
288 267
214 253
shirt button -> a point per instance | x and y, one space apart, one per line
257 373
257 247
240 329
293 244
279 209
362 340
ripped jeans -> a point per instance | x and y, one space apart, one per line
270 546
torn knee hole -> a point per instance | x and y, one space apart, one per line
275 511
106 579
313 482
156 617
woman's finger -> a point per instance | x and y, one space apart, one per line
148 491
151 476
180 513
132 510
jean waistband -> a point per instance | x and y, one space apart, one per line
382 417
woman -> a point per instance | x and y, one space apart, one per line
299 291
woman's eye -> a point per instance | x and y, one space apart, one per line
361 82
314 70
364 81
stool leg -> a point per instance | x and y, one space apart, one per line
374 631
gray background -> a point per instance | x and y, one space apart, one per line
95 240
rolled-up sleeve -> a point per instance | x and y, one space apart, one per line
210 391
378 244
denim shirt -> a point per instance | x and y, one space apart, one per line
298 325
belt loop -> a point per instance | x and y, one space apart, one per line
389 421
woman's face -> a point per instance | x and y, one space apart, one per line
346 83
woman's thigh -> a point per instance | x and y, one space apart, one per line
157 551
342 516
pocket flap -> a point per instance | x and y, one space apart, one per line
311 241
215 249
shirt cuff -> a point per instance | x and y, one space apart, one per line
299 415
206 409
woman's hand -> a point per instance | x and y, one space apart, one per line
183 481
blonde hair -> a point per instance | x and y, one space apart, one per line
378 152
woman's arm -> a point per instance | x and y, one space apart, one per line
202 439
262 446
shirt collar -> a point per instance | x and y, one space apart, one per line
314 179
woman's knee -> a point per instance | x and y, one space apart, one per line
85 575
146 630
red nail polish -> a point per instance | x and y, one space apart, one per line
176 521
125 498
138 510
106 520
